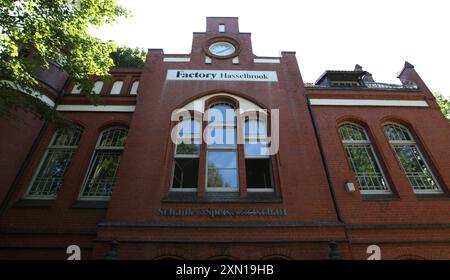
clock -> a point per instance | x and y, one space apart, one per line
222 49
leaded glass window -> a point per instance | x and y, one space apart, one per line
411 159
100 180
362 159
49 177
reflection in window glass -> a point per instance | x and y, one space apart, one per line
257 160
362 159
134 88
117 87
50 175
411 159
101 177
186 157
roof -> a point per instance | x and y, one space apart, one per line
341 73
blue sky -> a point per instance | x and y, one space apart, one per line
379 35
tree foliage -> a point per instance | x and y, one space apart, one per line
34 33
128 57
444 103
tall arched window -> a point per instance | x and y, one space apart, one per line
362 159
187 154
258 166
411 159
222 161
50 174
100 179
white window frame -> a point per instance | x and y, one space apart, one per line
412 142
261 138
91 165
194 138
134 87
41 163
377 162
233 148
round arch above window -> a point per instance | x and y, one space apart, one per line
241 103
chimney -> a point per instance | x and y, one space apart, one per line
222 24
367 77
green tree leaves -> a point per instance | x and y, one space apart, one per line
34 33
444 103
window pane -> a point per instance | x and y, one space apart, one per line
69 138
222 159
255 128
55 163
222 170
115 137
188 149
50 176
134 88
185 173
76 89
102 173
415 168
222 178
256 148
97 87
221 112
221 137
117 87
397 133
352 132
259 174
189 129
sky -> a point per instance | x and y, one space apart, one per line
326 34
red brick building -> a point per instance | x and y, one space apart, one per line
358 162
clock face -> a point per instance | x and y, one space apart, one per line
222 49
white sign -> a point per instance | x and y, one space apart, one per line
222 75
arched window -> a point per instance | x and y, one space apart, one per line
50 174
187 153
411 159
222 171
98 85
257 160
134 88
362 159
100 179
116 88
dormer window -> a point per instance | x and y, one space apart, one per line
345 83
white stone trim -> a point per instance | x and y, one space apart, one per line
266 60
93 108
368 102
176 59
44 98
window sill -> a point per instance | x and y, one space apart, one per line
388 196
34 203
92 204
210 197
432 196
